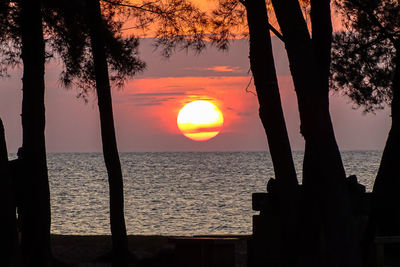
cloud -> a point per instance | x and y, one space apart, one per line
218 69
148 99
148 103
211 62
244 114
225 69
174 86
158 94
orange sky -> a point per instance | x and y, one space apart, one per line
208 6
162 98
146 109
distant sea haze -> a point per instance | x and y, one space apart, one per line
182 193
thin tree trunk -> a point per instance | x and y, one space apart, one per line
110 150
9 240
272 118
266 83
329 239
322 39
35 241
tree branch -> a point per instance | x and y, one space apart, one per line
276 32
142 7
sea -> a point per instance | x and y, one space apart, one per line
182 193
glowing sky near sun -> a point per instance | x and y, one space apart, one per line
146 109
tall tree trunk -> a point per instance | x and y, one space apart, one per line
272 118
35 241
266 83
110 150
386 211
8 222
327 218
384 219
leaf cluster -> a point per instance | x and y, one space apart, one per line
371 17
66 34
176 24
69 38
228 21
362 69
363 55
9 36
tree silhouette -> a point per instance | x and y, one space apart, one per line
228 16
326 194
272 118
110 150
7 202
35 241
22 24
366 67
90 43
325 210
22 39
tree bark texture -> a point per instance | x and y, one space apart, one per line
9 240
110 150
328 228
272 118
35 240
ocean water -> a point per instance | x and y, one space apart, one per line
183 193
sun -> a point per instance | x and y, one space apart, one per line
200 120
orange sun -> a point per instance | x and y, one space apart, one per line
200 120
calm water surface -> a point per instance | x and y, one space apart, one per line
172 193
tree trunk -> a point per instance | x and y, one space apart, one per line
266 83
386 212
322 39
9 251
329 236
384 219
35 240
272 118
110 150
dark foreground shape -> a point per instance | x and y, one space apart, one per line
263 247
273 120
97 26
8 225
210 251
154 251
35 236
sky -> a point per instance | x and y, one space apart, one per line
146 109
